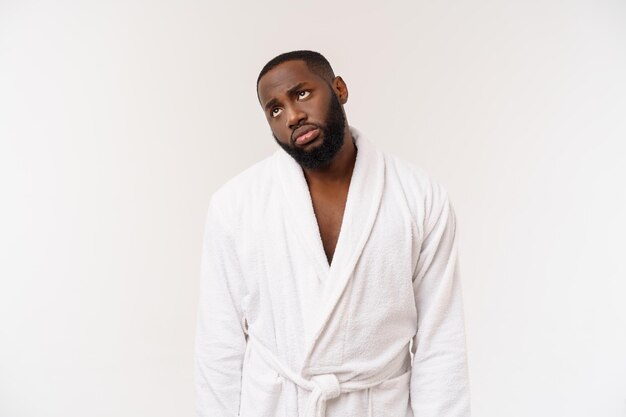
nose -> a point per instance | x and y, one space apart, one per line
295 117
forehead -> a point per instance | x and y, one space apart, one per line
284 76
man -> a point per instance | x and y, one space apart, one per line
324 266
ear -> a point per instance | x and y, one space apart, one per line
341 89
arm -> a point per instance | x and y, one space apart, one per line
220 339
439 380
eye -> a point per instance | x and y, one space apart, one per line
303 94
275 111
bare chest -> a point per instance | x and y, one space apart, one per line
329 215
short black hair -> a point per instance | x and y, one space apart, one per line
313 60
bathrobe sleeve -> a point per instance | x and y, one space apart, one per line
439 384
220 338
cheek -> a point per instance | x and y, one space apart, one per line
318 109
274 124
280 132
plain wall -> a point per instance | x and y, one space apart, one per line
118 119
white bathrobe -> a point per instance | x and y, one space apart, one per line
283 334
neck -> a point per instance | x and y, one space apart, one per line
340 168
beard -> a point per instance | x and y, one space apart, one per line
332 132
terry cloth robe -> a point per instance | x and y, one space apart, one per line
281 333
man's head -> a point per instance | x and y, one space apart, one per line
302 100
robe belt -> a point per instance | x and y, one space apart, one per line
326 386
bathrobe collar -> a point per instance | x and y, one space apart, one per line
363 201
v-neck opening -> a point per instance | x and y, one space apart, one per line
360 213
361 204
341 225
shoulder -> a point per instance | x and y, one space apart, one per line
419 186
427 199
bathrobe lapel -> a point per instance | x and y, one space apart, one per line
299 214
363 201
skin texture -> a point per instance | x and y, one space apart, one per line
299 97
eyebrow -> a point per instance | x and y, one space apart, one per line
290 92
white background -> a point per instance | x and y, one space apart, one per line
118 119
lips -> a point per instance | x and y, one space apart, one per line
305 134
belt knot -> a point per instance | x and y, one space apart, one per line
328 385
